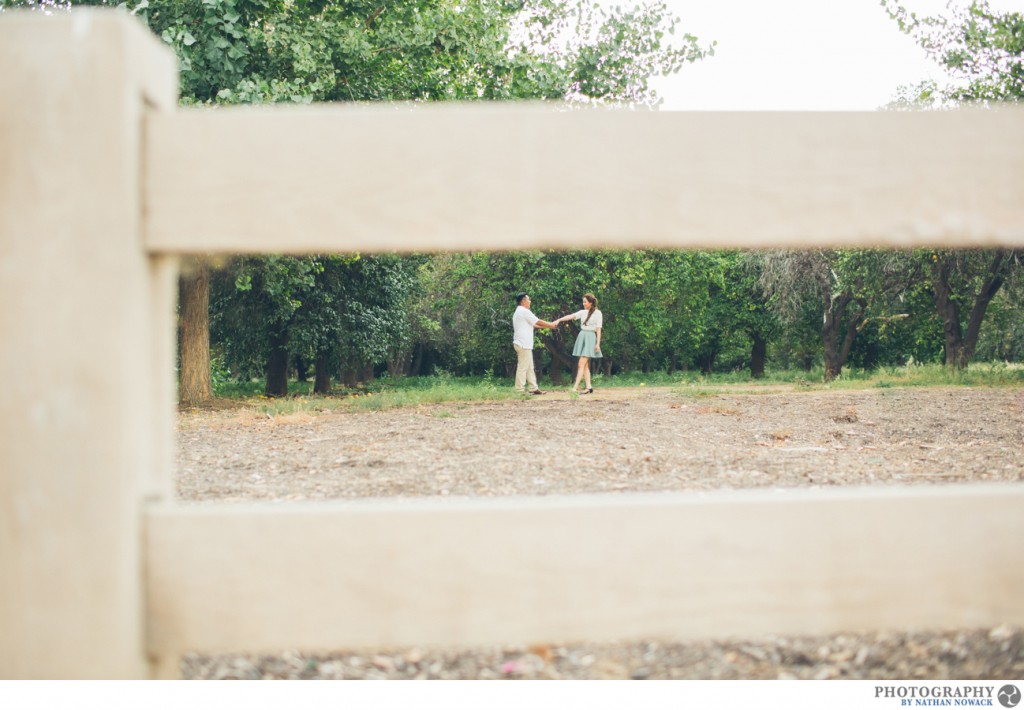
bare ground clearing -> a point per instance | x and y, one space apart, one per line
616 440
619 440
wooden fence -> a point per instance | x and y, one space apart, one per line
104 183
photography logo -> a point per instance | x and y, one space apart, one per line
960 695
1009 696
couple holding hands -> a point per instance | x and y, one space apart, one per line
587 348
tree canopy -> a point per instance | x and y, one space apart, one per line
345 313
980 50
268 51
352 317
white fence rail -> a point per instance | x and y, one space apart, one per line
470 177
103 183
594 568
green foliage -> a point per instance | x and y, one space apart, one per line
348 313
357 313
846 288
220 376
965 282
689 311
982 52
269 51
663 309
668 314
47 6
254 302
1002 338
980 49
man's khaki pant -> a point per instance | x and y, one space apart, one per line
524 369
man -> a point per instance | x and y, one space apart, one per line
523 324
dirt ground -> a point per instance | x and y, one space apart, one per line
619 440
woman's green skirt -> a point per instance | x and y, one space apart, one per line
586 343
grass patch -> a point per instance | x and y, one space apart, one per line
999 374
381 395
978 375
389 393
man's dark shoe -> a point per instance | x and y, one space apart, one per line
536 392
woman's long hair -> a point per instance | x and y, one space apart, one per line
592 300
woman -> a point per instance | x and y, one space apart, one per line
588 342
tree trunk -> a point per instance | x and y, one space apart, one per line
322 375
367 374
555 371
301 369
400 362
833 364
415 369
988 291
960 345
758 355
395 366
277 367
835 316
558 353
707 361
348 377
949 312
194 385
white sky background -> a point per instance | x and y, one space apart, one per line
799 55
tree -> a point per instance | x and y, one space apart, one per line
966 281
983 53
663 302
748 308
980 49
849 286
371 318
792 278
194 381
1003 338
266 51
256 301
664 309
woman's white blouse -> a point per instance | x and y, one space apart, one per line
595 320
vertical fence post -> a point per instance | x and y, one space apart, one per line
83 429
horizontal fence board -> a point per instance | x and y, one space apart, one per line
329 576
467 177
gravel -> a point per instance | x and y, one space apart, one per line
977 654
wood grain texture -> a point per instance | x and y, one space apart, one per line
347 178
87 410
562 569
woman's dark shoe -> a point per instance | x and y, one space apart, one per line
588 391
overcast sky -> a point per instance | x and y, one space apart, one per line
802 55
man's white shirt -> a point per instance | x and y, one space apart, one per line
522 327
